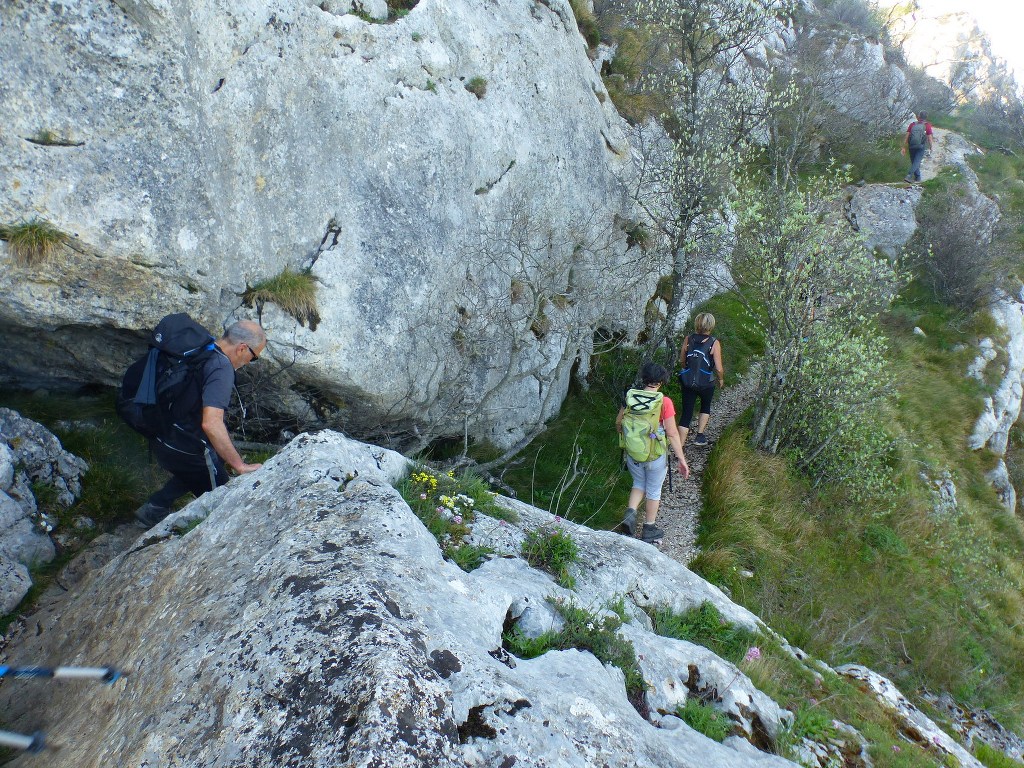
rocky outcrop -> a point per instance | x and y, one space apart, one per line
911 721
1002 408
29 455
449 179
866 87
884 215
977 725
310 618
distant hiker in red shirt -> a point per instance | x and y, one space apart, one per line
917 140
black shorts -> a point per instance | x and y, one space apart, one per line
689 399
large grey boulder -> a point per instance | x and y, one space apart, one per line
464 244
310 619
884 215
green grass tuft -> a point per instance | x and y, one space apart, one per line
705 719
294 292
586 631
33 242
705 626
477 86
552 549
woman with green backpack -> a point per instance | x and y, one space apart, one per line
645 421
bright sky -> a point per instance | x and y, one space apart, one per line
1002 20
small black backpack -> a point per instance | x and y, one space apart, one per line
162 388
698 371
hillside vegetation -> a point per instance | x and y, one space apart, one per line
927 592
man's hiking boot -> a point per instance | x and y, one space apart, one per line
700 439
652 534
628 524
149 514
908 179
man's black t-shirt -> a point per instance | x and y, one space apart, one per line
216 380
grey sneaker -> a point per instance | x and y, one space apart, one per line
700 439
628 524
150 514
652 534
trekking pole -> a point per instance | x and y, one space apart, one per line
106 675
33 743
36 742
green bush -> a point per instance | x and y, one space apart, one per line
705 719
586 23
552 549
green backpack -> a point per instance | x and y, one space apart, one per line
642 436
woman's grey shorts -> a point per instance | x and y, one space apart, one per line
648 475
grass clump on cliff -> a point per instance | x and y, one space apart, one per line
294 292
705 626
705 719
477 86
33 242
552 549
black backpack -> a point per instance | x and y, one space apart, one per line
162 388
698 371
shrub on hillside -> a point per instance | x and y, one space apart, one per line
953 263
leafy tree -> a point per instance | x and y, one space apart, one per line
714 100
813 289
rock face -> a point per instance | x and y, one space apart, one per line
1002 409
29 454
310 619
871 90
449 179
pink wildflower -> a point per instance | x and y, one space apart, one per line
423 495
558 519
457 519
753 653
896 749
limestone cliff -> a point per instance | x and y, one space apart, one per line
450 179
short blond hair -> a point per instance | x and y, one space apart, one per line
704 323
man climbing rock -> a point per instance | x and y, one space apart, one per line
197 447
917 141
